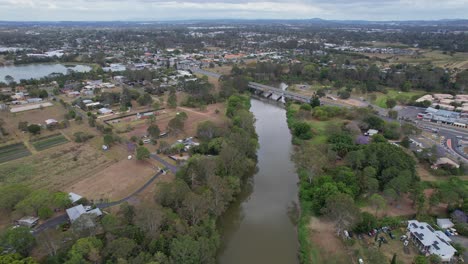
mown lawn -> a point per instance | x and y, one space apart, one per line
12 152
381 99
49 142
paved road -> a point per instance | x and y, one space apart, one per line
168 165
58 220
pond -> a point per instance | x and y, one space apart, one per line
37 71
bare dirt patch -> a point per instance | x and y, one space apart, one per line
323 237
403 207
116 181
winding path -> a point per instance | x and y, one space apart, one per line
58 220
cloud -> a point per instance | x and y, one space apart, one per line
247 9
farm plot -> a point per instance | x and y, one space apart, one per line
49 142
12 152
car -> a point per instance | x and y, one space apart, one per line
146 141
403 237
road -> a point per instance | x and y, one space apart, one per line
168 165
58 220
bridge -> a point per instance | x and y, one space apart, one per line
269 91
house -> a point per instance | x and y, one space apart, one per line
79 210
28 221
75 212
74 197
430 241
51 122
444 223
371 132
105 111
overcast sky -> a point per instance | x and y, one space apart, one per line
154 10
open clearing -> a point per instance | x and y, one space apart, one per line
116 181
56 168
327 247
12 152
381 98
49 142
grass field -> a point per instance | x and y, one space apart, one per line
12 152
49 142
381 99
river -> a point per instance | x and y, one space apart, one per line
37 70
257 228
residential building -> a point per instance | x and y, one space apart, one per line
430 241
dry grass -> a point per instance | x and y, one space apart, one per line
328 247
116 181
55 168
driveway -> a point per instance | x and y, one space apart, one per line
58 220
464 242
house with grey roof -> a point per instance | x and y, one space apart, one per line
430 241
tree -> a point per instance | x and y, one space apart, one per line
84 250
195 207
377 202
16 259
310 158
145 99
315 101
185 249
20 239
153 131
121 247
9 79
150 218
390 103
34 129
34 201
302 130
207 130
342 210
12 194
108 140
176 125
142 153
172 100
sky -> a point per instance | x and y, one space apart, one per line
163 10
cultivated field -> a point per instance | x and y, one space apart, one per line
56 168
12 152
49 142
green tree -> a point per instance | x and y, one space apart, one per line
12 194
172 100
390 103
85 250
121 247
16 259
34 129
377 202
420 260
153 131
185 249
142 153
34 201
302 130
108 140
20 239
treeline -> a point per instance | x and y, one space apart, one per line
359 77
335 172
179 224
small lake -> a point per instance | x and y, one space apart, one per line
38 70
